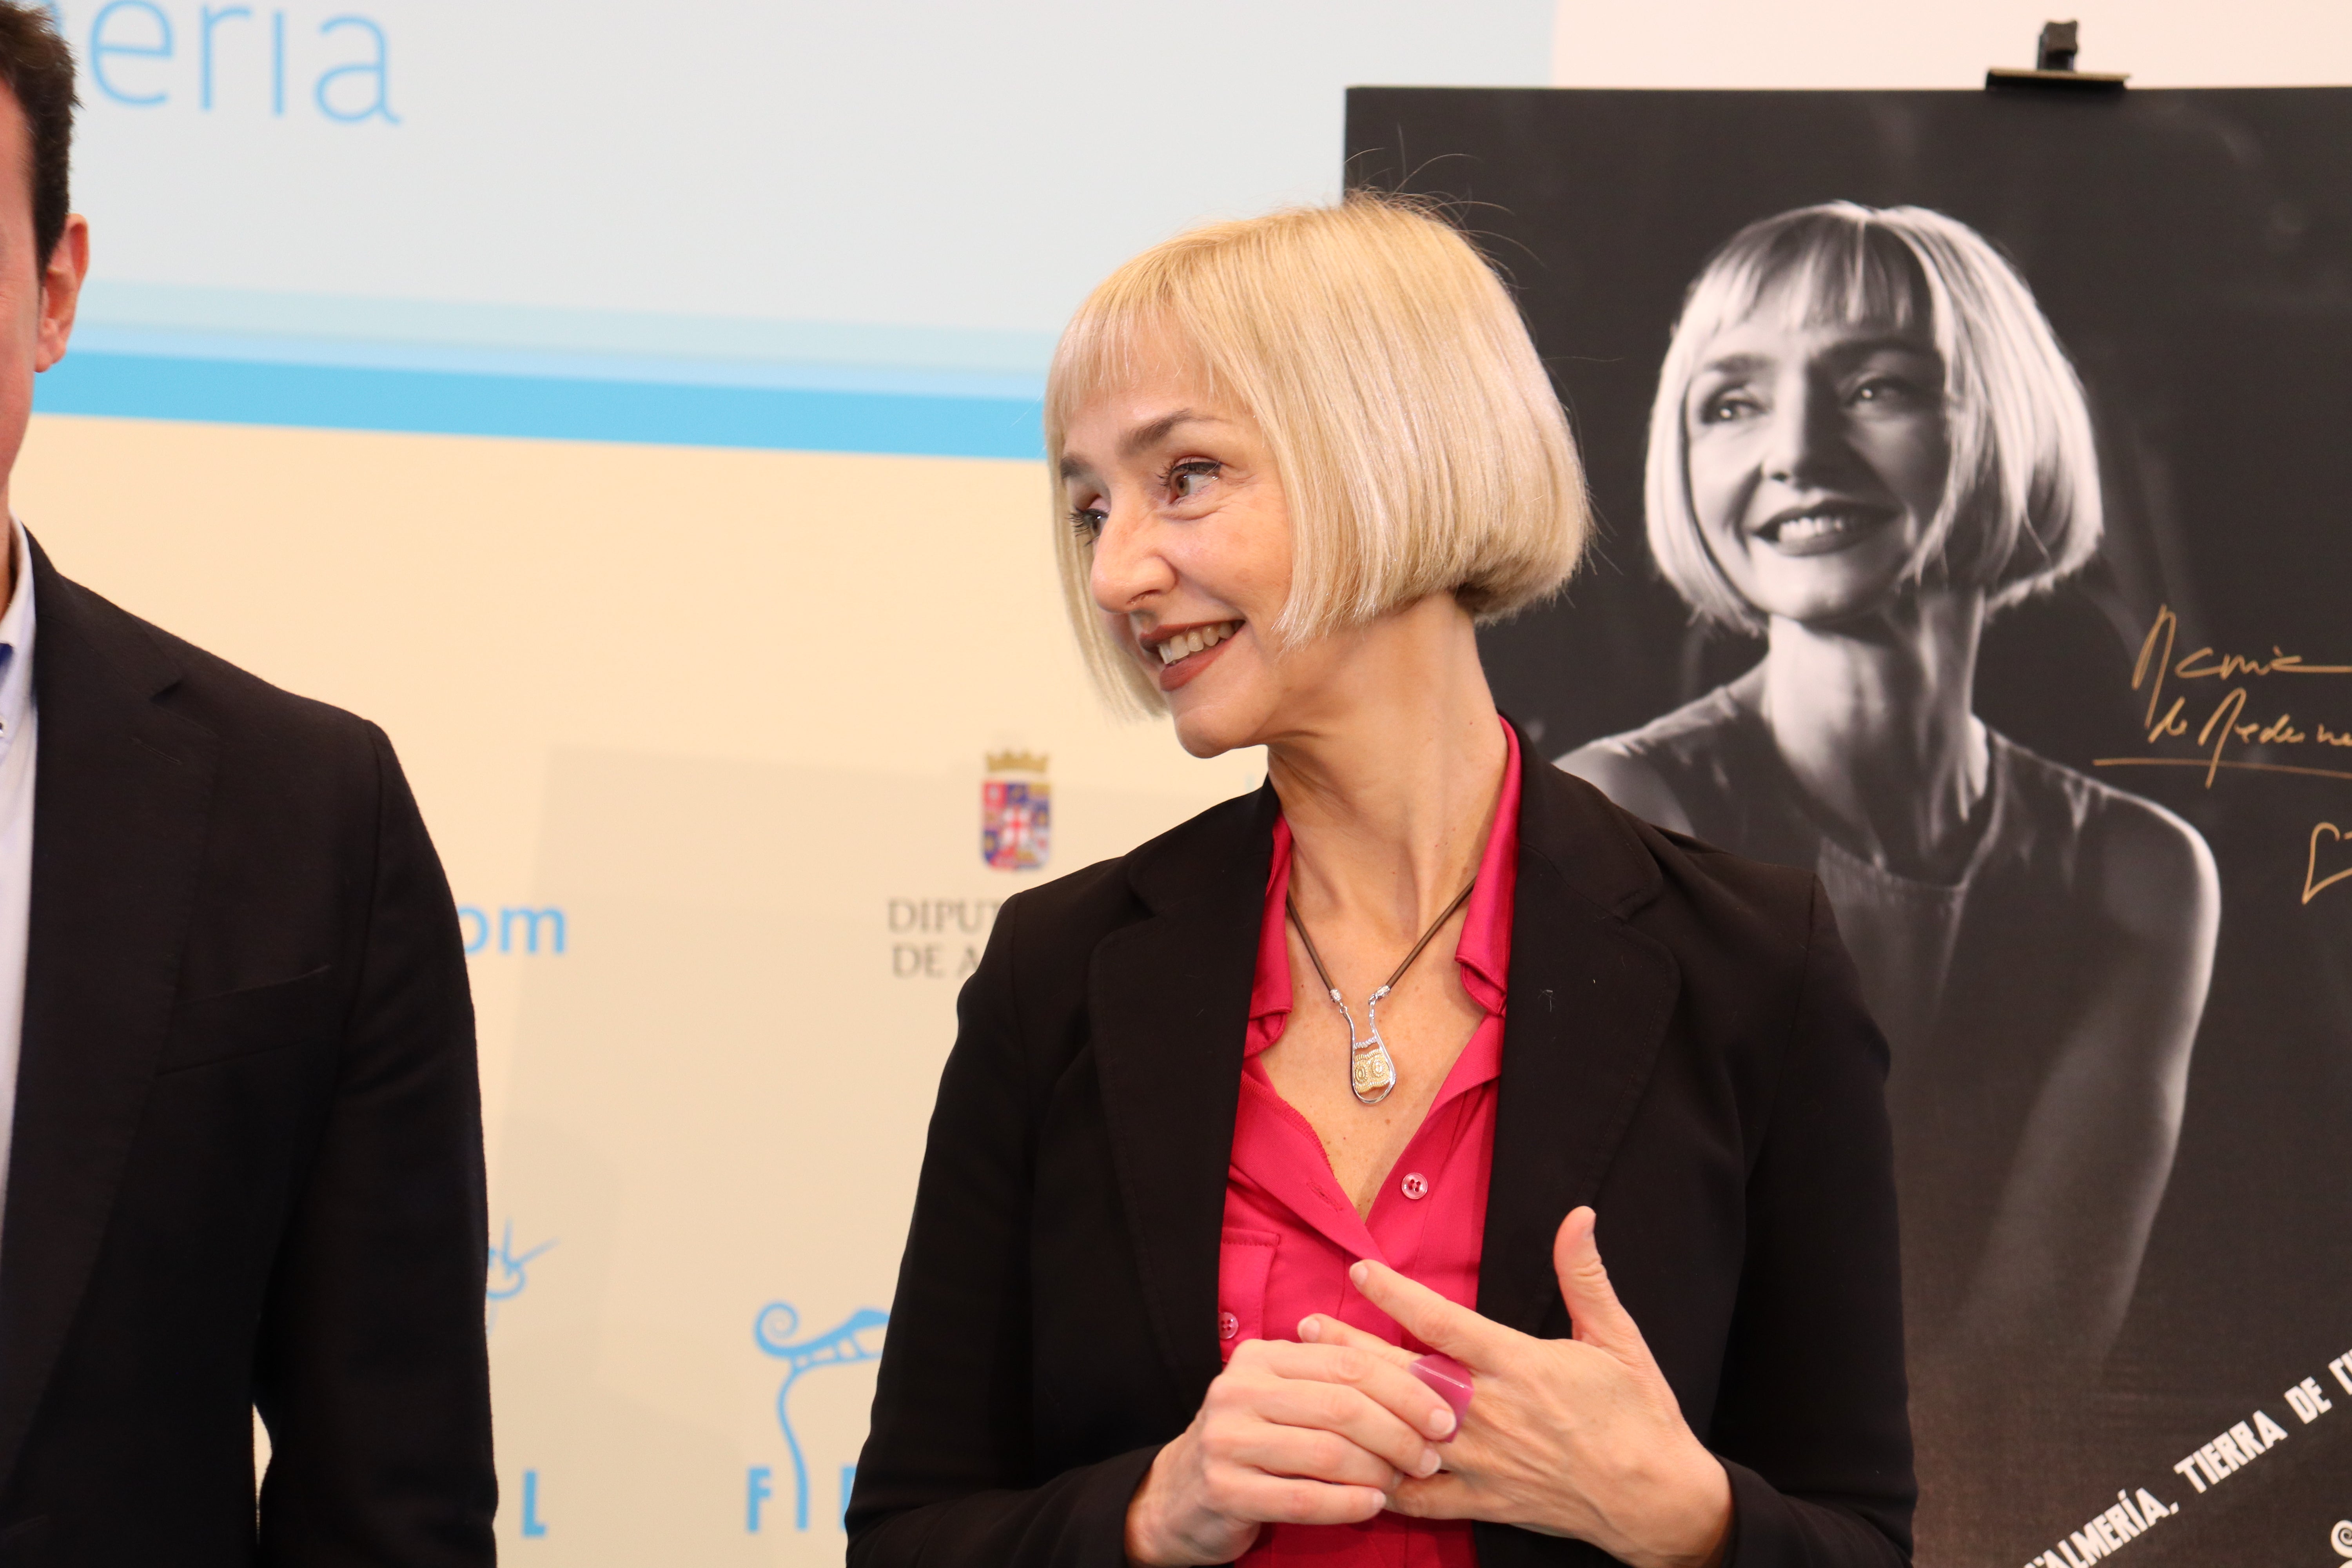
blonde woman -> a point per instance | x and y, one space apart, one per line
1381 1060
1866 441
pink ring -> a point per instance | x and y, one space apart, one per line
1450 1381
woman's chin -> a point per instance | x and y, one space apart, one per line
1827 606
1201 736
1206 727
1832 590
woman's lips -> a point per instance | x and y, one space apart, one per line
1824 530
1175 674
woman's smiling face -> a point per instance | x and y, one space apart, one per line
1818 458
1174 487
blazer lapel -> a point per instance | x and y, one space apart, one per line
120 796
1168 1003
1591 998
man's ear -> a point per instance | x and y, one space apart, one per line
61 282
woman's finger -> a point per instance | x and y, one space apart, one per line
1378 1369
1599 1318
1350 1414
1477 1342
1317 1330
1308 1452
1442 1496
1290 1499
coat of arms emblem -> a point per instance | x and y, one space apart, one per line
1016 812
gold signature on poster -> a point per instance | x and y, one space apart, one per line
2225 722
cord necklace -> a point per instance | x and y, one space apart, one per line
1371 1071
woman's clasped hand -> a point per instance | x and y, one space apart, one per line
1579 1437
1299 1434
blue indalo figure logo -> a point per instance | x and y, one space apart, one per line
839 1346
508 1274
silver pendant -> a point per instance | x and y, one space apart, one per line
1371 1071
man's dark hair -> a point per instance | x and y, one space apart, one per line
37 66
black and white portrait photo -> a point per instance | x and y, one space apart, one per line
1866 440
1961 461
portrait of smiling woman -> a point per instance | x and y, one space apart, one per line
1866 441
1264 1206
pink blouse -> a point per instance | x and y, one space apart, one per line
1291 1232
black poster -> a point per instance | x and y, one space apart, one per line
1975 482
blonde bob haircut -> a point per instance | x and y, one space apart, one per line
1419 444
2020 506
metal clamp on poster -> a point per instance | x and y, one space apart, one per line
2053 65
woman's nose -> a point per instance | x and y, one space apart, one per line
1127 568
1804 436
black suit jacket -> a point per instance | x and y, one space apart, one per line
246 1168
1685 1049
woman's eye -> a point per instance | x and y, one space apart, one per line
1888 390
1087 521
1726 406
1187 480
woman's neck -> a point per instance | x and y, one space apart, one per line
1388 783
1875 721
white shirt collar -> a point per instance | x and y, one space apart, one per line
17 639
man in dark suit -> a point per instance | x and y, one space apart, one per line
244 1166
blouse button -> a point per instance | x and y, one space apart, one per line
1415 1186
1227 1325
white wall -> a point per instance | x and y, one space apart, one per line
1934 43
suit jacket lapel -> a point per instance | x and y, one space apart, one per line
1168 1002
1591 998
120 796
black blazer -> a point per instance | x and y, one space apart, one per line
1685 1049
247 1164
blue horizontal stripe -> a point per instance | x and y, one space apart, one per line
448 402
559 365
